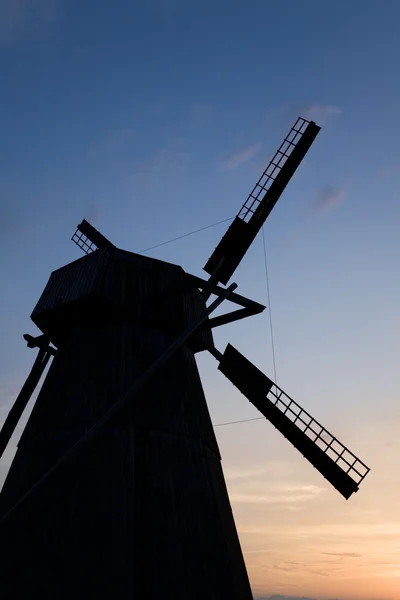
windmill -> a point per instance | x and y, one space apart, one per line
116 489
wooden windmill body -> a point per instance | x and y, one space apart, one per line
116 489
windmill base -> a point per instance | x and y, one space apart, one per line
142 511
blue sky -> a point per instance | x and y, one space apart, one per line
154 118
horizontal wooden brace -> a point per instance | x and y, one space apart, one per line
236 298
236 315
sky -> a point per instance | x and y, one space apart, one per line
155 118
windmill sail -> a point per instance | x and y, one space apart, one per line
332 459
261 200
89 239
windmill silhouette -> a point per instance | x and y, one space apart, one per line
116 489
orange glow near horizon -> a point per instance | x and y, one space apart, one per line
301 538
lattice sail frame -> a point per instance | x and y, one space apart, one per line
84 242
279 159
318 434
243 230
322 449
89 239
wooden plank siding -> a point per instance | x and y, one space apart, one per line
142 512
94 286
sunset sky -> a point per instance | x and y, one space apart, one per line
155 118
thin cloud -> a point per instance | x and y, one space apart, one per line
200 115
344 554
9 223
112 141
348 531
295 567
273 468
240 158
13 221
12 14
279 111
93 213
329 197
281 495
321 113
164 165
15 15
388 171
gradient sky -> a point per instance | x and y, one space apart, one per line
156 117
